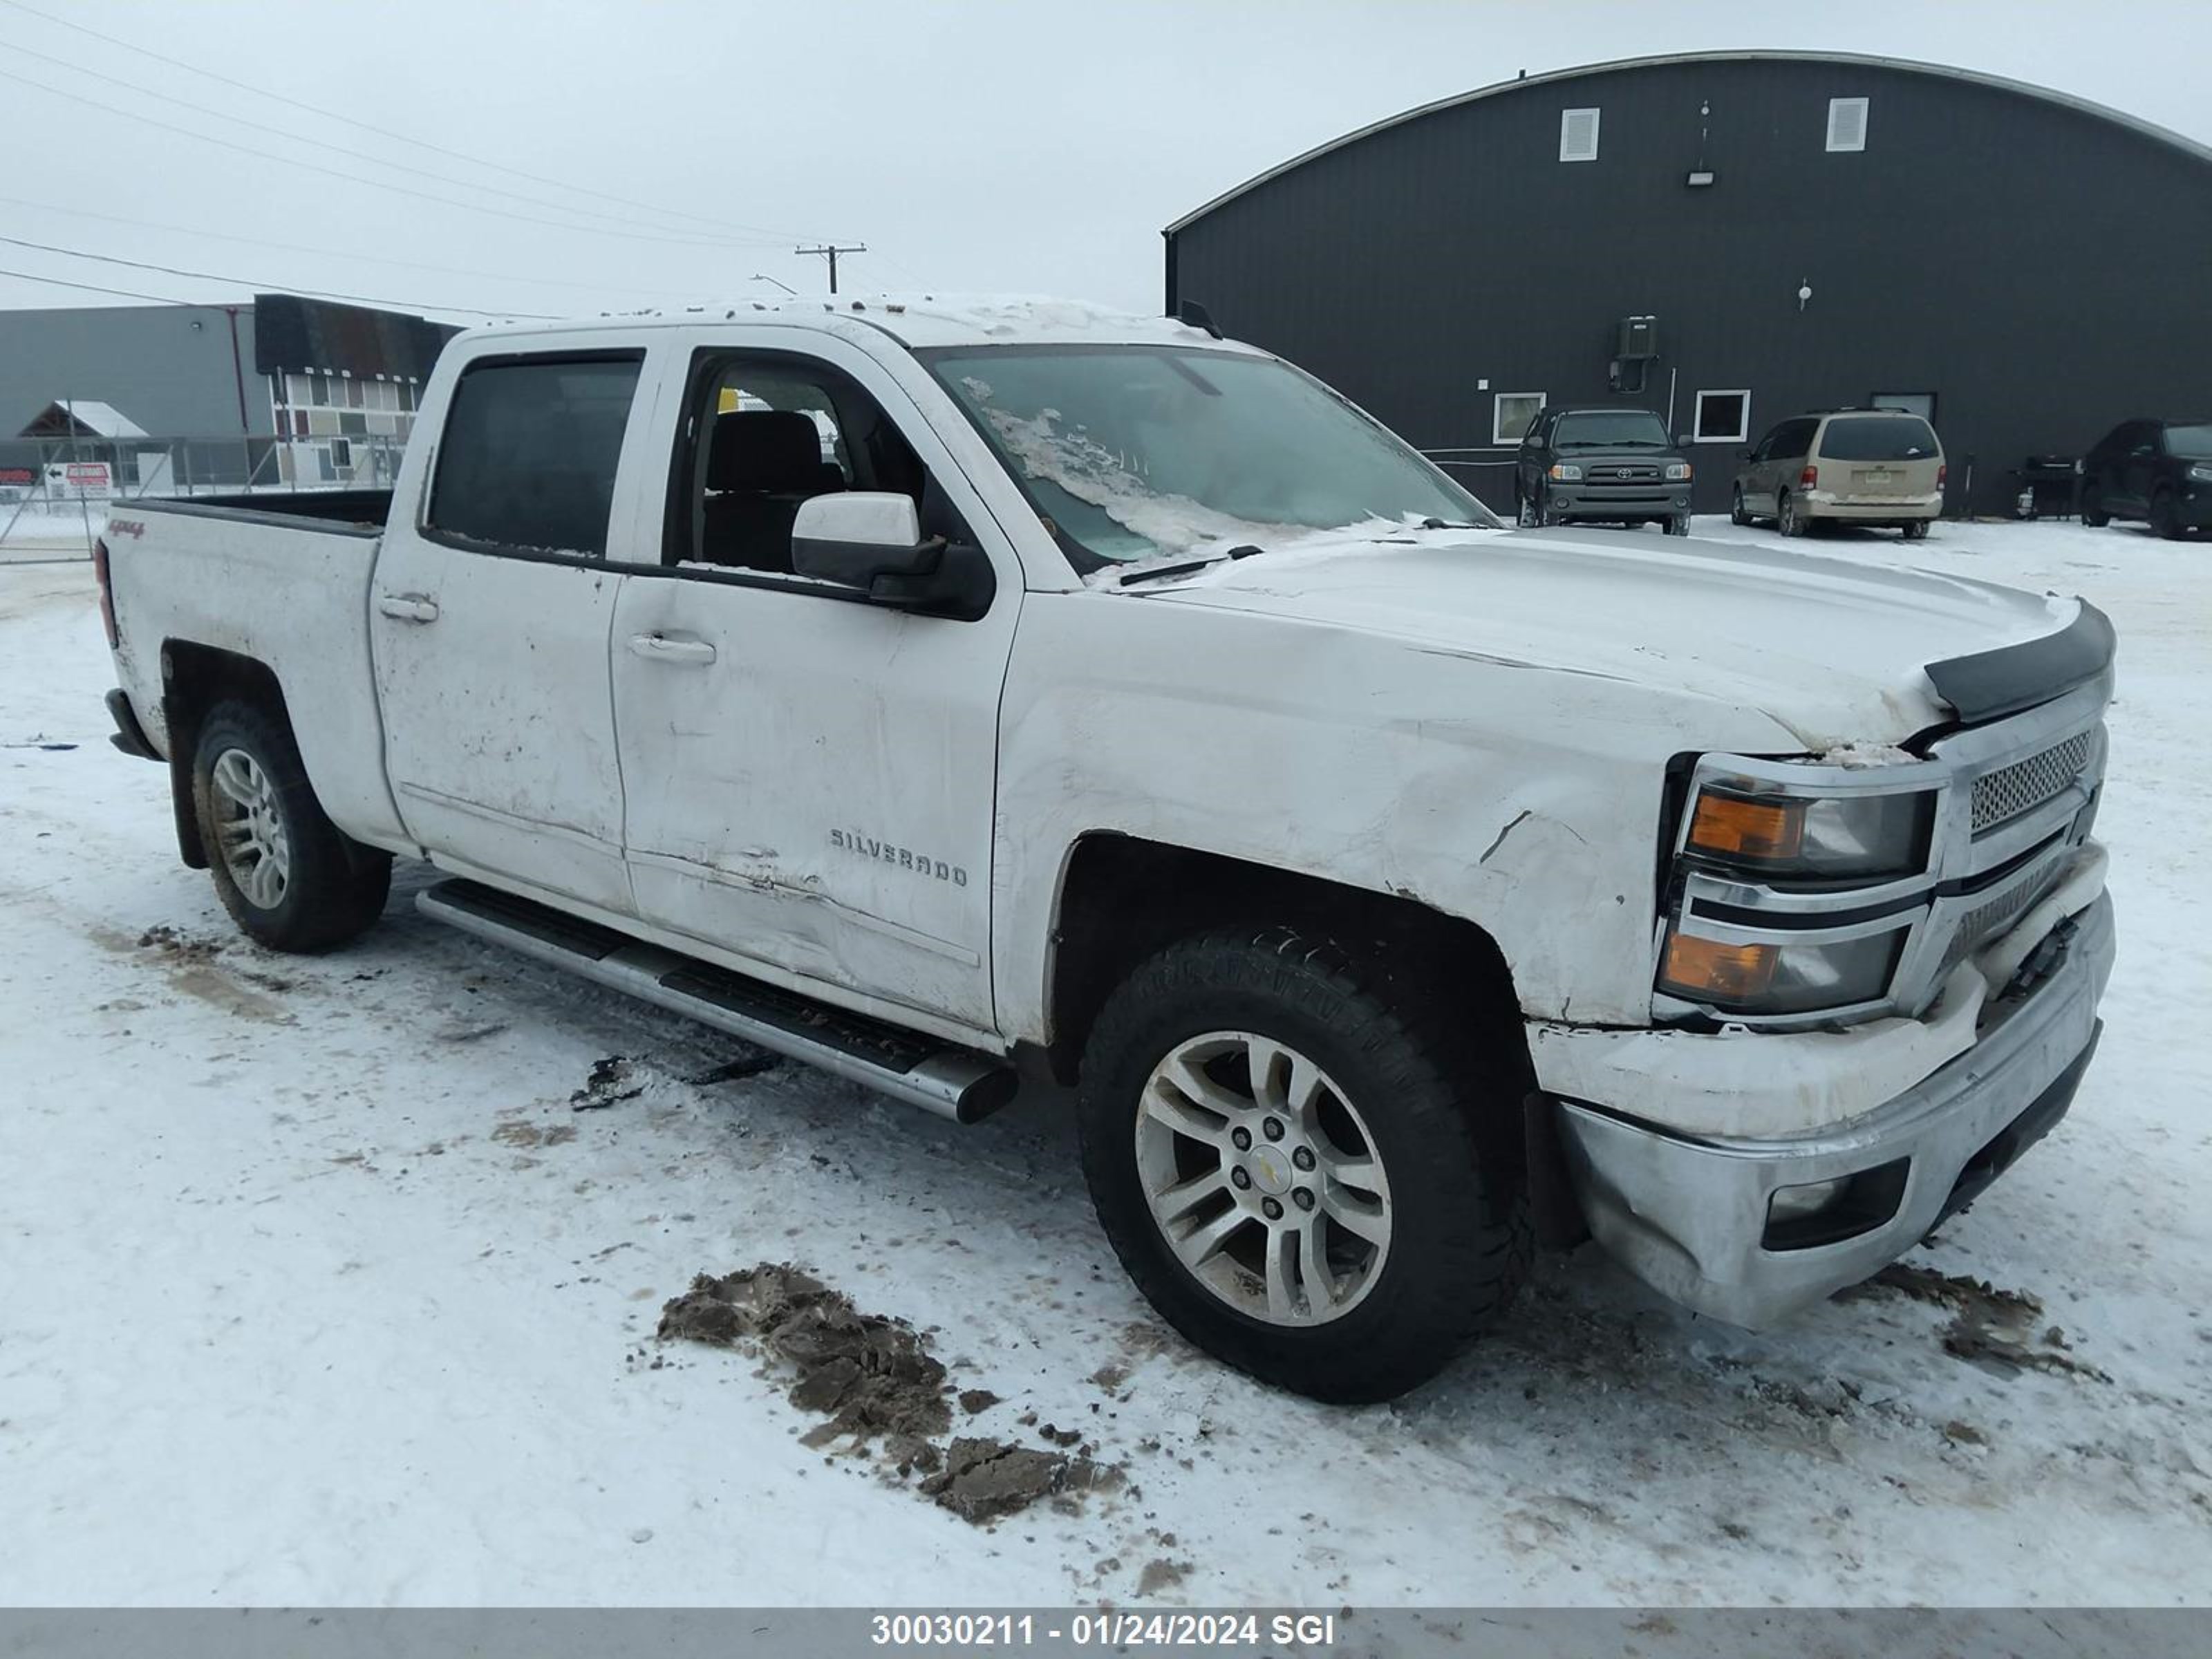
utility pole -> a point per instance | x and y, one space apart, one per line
831 250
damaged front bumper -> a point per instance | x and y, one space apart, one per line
1694 1215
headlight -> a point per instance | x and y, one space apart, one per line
1677 471
1565 472
1778 978
1861 836
2201 472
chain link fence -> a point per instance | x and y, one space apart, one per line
56 492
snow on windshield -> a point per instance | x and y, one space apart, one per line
1089 471
1136 454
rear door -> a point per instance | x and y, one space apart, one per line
810 780
490 613
1879 460
2139 466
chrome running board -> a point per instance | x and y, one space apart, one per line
950 1082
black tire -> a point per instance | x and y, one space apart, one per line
1525 512
1677 525
1915 530
332 887
1737 515
1787 519
2093 507
2165 515
1438 1113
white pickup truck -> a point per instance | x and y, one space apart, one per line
945 694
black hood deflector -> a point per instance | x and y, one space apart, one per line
1991 684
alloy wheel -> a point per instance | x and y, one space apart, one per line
1263 1179
250 829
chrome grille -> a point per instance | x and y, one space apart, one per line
1986 922
2005 793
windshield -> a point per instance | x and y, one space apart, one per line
1626 428
1879 437
1130 453
2190 443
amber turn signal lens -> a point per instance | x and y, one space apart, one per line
1706 968
1733 826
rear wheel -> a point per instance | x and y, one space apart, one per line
287 875
2093 507
1302 1173
1915 530
2165 515
1787 519
1737 514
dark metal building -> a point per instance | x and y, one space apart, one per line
1796 230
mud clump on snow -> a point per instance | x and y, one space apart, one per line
868 1375
873 1381
1990 1327
984 1480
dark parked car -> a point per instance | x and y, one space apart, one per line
2157 471
1615 466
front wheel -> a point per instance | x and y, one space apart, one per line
2094 516
2166 516
1294 1168
289 876
1737 513
1679 524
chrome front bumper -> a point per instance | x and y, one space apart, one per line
1689 1214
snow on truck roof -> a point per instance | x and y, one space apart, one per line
916 319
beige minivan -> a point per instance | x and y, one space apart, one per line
1865 466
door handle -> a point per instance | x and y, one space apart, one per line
661 647
408 607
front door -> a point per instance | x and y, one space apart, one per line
810 780
489 619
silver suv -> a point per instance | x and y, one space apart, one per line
1865 466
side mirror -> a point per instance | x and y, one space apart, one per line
872 540
1682 441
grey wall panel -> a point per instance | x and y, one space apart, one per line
167 368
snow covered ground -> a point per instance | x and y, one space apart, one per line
314 1289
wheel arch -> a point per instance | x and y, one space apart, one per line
1123 897
195 678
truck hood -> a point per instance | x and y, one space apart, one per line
1833 650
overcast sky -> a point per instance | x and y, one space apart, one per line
678 148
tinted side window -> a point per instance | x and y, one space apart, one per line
529 453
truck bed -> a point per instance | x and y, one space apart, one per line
280 581
359 510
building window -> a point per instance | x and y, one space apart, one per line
1847 123
342 454
1511 415
1921 403
1723 418
1578 134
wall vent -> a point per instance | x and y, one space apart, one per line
1847 123
1578 134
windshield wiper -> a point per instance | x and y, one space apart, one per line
1161 572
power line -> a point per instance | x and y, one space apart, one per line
94 288
17 50
277 288
337 253
354 178
383 132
